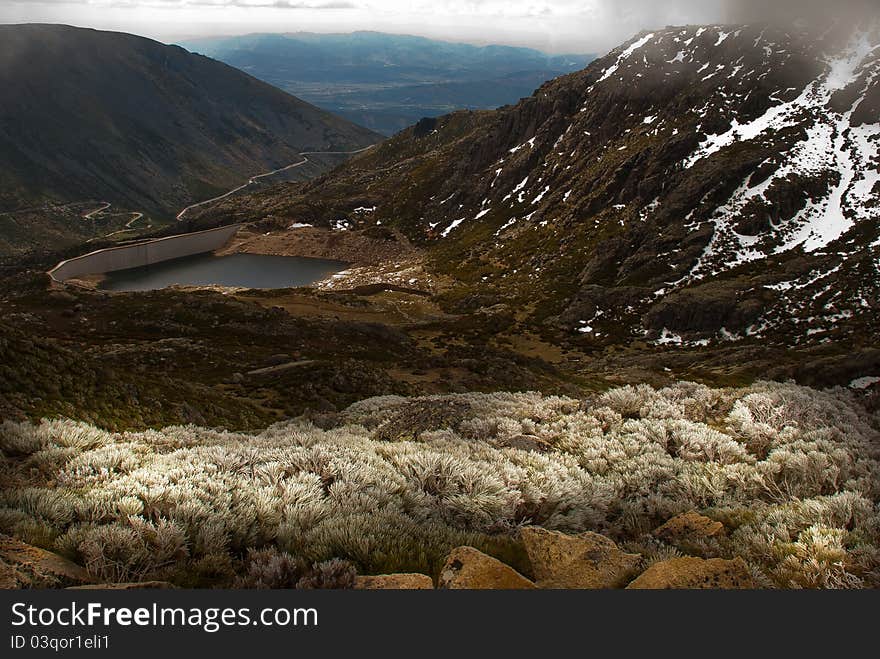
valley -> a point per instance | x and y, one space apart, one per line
388 82
637 307
156 128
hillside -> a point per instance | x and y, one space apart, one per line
387 81
88 116
563 339
713 188
785 480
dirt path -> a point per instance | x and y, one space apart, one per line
255 179
104 206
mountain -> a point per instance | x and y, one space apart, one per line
88 115
710 188
567 314
388 81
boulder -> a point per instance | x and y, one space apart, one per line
41 566
394 582
696 573
141 585
470 569
410 420
10 579
585 561
527 443
689 531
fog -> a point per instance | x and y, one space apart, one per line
551 25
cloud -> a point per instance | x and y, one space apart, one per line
182 4
553 25
787 11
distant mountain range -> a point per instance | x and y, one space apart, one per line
698 187
387 81
108 117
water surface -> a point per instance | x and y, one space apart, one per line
246 270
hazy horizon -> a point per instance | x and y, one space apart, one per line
553 26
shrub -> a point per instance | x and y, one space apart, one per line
793 473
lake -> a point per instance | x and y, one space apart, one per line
245 270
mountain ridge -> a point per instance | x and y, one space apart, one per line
94 115
388 81
641 199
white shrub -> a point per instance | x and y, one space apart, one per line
793 473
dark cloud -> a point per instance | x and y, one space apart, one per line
787 11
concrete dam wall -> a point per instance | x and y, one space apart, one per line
146 253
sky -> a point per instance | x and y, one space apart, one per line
557 26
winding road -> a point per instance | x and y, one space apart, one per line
135 216
251 181
104 206
255 179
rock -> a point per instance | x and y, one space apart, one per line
689 531
470 569
40 565
10 579
707 307
527 443
696 573
141 585
394 582
421 415
585 561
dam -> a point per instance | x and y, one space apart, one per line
188 260
126 257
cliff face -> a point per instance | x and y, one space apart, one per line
696 185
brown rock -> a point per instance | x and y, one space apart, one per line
585 561
689 527
43 565
394 582
141 585
470 569
696 573
10 579
527 443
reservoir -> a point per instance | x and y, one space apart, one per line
244 270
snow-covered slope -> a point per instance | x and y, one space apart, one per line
696 186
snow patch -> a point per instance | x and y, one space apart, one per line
611 70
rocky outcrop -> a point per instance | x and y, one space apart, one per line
529 443
585 561
643 203
695 573
30 566
394 582
689 531
470 569
413 418
370 247
10 579
708 307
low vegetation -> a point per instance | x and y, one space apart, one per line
391 484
